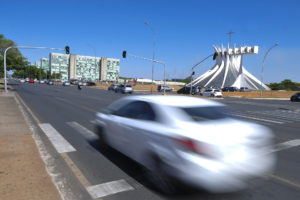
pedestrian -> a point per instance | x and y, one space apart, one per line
79 86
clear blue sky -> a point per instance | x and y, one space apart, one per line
185 32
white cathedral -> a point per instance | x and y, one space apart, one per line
229 71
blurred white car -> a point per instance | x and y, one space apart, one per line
22 81
211 93
42 81
187 139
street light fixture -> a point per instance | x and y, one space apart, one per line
154 45
262 67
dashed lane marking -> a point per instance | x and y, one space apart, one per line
82 130
285 145
109 188
59 142
285 181
77 105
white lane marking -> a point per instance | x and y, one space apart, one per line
109 188
93 121
59 142
82 130
285 145
255 118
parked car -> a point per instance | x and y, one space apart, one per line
230 89
31 81
244 89
124 88
166 88
113 87
22 81
187 90
42 81
187 139
27 80
211 93
66 83
90 83
296 97
50 82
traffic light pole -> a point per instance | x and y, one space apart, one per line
155 61
191 87
20 47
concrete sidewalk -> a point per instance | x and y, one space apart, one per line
22 171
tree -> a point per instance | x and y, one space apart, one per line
14 59
286 84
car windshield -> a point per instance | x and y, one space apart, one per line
205 113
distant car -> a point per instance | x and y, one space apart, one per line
113 87
27 80
296 97
50 82
187 90
90 83
66 83
230 89
74 82
41 81
244 89
211 93
124 88
31 81
166 88
22 81
187 139
84 83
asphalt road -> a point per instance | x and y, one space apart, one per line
71 113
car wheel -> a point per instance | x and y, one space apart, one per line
201 94
101 136
293 99
212 95
159 179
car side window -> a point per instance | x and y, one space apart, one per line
137 110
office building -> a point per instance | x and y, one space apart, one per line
84 67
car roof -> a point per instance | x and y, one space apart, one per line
173 100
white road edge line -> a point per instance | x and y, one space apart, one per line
266 120
82 130
58 141
109 188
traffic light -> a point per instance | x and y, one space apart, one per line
124 54
67 49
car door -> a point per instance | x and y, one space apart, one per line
136 122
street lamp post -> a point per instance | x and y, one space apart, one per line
156 61
20 47
198 63
262 67
154 45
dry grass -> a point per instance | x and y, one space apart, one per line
265 94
